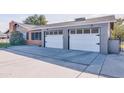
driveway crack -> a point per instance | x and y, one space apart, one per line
86 67
102 66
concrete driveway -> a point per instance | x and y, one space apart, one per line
33 61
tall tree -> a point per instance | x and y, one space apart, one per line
36 20
118 31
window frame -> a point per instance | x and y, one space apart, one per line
36 36
72 30
27 36
51 33
79 29
86 29
55 32
95 29
60 32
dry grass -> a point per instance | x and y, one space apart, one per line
4 40
122 46
4 43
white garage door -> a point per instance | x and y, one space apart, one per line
54 39
85 39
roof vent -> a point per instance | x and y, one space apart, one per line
80 19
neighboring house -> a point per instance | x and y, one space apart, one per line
32 37
3 36
80 34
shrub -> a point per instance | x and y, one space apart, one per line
16 38
4 45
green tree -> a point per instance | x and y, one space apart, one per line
118 31
36 20
16 38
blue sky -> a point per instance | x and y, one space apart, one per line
52 18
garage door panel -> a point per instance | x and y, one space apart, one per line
85 47
86 42
54 41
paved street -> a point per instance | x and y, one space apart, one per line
32 61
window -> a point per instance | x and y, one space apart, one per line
79 31
51 33
86 31
60 32
27 36
95 30
32 36
39 37
36 36
72 31
47 33
55 33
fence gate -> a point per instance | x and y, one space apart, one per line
122 46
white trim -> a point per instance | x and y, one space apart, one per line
43 28
80 24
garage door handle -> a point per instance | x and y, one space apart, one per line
98 43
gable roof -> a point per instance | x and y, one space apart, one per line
98 20
28 27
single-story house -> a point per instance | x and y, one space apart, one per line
3 36
81 34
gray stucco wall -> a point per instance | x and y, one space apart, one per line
104 37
